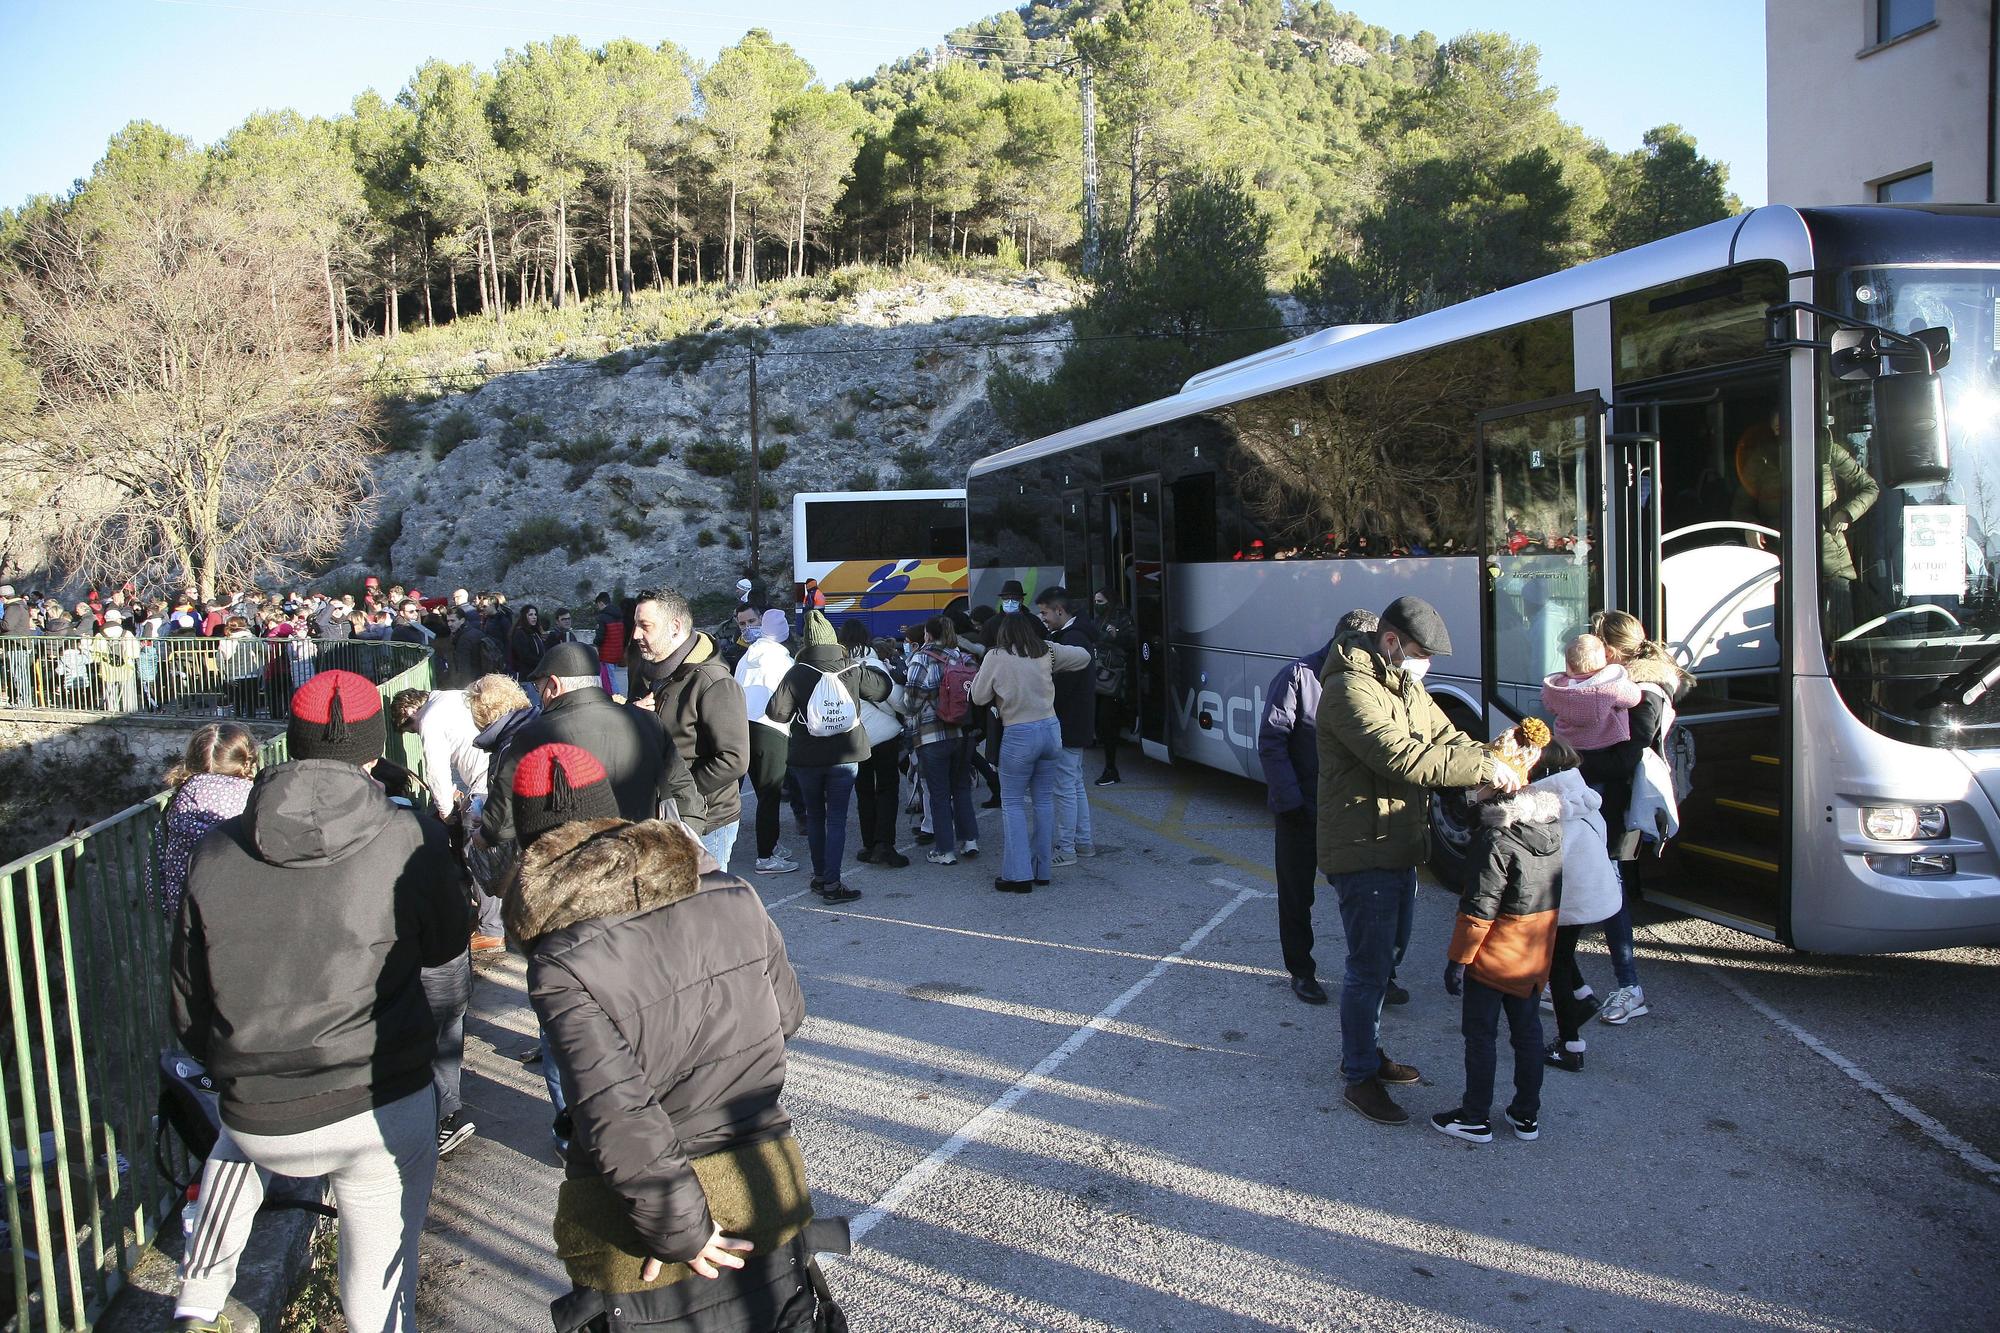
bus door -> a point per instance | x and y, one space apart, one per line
1697 482
1131 552
1077 545
1541 509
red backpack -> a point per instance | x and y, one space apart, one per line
954 695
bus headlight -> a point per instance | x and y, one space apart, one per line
1902 823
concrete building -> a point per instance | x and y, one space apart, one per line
1882 101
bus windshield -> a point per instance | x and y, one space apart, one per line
1909 603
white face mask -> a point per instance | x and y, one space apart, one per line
1010 605
1416 668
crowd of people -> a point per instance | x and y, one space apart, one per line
1354 749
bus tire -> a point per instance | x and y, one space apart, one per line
1451 829
959 604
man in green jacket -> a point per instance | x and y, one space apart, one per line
1384 746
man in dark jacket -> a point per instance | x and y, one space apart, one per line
681 678
1288 746
576 711
460 661
1076 711
17 624
298 979
683 1164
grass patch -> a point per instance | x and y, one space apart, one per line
714 458
704 538
916 468
733 538
785 423
772 456
454 430
523 428
845 429
862 479
403 431
316 1307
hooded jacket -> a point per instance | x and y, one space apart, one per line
1287 735
788 703
629 744
296 956
1506 930
700 709
1384 744
1593 712
1611 770
1076 691
667 997
1591 890
763 666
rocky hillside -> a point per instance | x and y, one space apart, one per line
558 480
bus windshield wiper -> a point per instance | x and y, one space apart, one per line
1968 687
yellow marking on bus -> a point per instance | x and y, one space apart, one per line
1764 759
1769 867
1748 807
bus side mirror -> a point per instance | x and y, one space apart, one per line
1909 430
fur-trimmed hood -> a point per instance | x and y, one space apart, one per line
1530 805
601 868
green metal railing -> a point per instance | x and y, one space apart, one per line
85 957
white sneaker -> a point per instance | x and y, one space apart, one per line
1063 859
942 858
775 865
1626 1003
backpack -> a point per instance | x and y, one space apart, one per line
954 692
1678 750
830 709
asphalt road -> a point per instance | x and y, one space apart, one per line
1100 1107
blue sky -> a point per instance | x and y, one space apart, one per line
73 71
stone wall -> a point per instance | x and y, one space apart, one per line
60 773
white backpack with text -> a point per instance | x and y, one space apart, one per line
830 710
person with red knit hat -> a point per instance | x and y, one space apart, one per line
685 1204
300 960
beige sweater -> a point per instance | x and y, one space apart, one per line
1024 688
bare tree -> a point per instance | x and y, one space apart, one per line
186 405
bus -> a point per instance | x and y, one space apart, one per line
892 558
1775 439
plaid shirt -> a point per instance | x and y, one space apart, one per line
926 673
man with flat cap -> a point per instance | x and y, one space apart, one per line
643 769
1384 746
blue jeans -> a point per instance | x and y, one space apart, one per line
827 789
721 842
1072 804
1618 934
1375 908
1483 1007
1030 754
947 769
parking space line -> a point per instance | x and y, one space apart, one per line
1034 1078
1931 1128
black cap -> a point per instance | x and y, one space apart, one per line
566 659
1419 623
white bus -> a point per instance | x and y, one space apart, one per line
1737 434
893 558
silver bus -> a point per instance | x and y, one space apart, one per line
1775 439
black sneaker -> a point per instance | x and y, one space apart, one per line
891 859
925 839
1109 778
1395 994
866 856
1458 1126
834 891
991 803
1309 990
452 1131
1559 1056
1525 1127
1014 885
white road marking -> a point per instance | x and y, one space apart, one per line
1932 1128
1028 1082
1221 883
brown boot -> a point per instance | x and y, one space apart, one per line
1373 1101
1391 1072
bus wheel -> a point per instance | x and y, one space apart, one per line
959 604
1452 827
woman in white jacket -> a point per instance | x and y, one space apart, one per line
1590 893
762 667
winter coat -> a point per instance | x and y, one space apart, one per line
453 761
1288 735
527 648
1591 890
1611 769
882 723
1506 929
16 621
1384 744
202 802
1590 713
497 736
622 738
296 956
700 710
1023 689
789 700
763 666
1076 691
460 664
666 996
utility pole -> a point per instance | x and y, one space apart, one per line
756 475
1088 86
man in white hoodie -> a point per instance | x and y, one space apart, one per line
760 671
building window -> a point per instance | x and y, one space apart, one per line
1893 18
1914 188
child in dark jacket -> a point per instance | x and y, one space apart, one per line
1504 941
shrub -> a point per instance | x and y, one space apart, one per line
525 426
382 541
784 423
453 431
428 562
862 479
844 429
595 447
519 469
617 363
402 429
632 523
537 536
772 456
739 492
734 538
704 538
714 458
